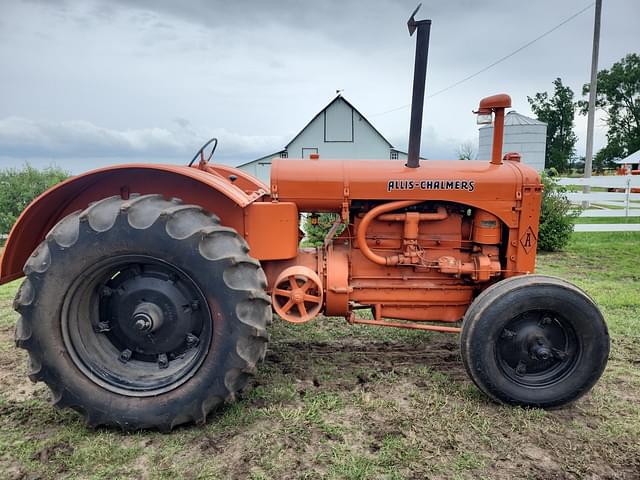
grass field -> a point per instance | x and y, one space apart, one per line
607 220
334 401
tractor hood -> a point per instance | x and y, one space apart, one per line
325 185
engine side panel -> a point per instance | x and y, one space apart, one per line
323 185
272 231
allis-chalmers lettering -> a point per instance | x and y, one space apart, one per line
468 185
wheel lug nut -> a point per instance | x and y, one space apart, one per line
508 333
102 327
192 340
163 361
558 354
106 292
125 355
191 307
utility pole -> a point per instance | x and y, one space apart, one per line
588 159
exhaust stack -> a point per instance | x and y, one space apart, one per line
419 81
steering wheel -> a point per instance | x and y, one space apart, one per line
200 153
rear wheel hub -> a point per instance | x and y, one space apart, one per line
152 328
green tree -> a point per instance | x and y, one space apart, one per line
604 158
619 97
557 112
18 187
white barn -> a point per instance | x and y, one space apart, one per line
338 131
524 135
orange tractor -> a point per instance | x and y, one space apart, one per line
149 288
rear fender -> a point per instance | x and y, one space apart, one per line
211 190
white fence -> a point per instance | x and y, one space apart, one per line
621 202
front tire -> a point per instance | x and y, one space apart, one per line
142 313
534 341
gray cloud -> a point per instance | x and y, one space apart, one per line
116 80
21 137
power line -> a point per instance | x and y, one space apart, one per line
500 60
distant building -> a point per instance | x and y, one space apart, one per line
632 160
338 131
524 135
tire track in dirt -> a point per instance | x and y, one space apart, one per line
301 359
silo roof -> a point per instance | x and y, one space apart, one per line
515 118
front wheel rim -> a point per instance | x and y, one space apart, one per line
538 349
136 325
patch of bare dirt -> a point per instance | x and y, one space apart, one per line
47 453
12 471
13 371
297 358
626 349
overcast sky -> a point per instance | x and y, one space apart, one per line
95 82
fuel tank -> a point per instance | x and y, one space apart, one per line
316 185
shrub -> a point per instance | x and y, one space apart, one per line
18 187
557 216
316 231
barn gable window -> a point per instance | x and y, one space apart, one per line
338 123
394 155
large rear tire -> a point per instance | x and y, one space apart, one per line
142 313
534 341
